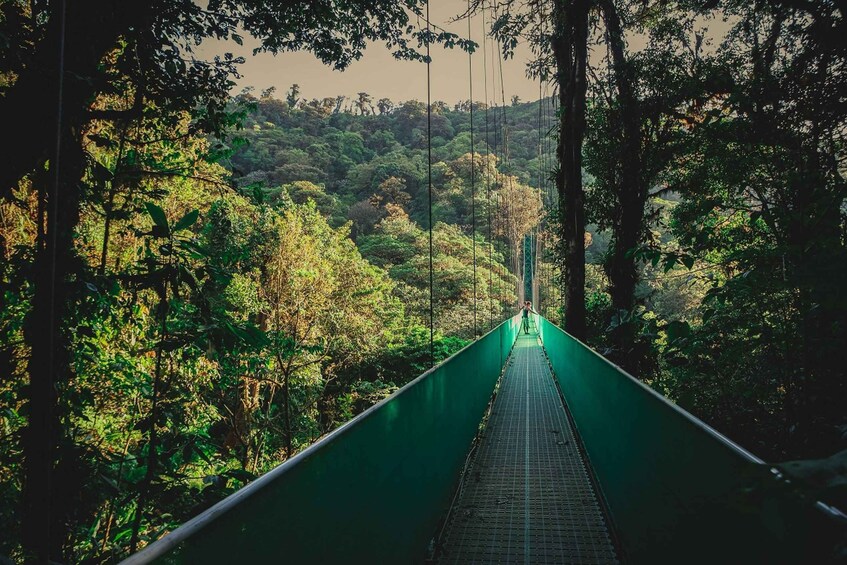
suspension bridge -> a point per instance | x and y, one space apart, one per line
520 448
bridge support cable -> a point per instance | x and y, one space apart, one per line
502 216
495 203
541 185
487 173
473 179
513 252
429 189
39 522
537 274
556 271
543 277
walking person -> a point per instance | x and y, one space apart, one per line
526 309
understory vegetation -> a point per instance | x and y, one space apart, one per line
208 282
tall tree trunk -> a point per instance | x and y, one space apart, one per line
817 259
631 193
43 510
81 33
49 354
92 28
570 50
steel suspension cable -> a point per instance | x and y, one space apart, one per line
499 223
540 170
473 184
557 271
429 191
46 518
504 149
488 174
544 138
541 162
505 160
551 118
551 283
500 142
551 280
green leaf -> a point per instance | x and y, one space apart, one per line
186 221
236 331
187 277
101 173
194 249
257 336
102 141
158 216
688 261
678 330
190 448
670 262
123 535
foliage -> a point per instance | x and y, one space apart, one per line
402 248
209 282
763 206
114 268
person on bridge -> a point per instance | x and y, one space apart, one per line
526 309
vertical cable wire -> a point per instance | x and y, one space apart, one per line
549 279
549 115
487 175
540 162
429 183
473 183
557 270
53 224
498 220
504 148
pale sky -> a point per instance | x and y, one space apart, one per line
382 76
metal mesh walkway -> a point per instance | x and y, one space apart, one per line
527 497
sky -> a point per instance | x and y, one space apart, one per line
382 76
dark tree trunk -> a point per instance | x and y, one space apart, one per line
78 37
814 260
816 257
55 261
631 194
91 30
570 49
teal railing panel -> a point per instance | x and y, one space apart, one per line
372 491
677 490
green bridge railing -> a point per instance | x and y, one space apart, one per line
677 490
375 489
372 491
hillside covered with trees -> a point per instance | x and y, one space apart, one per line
196 284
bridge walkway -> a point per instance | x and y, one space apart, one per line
526 496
